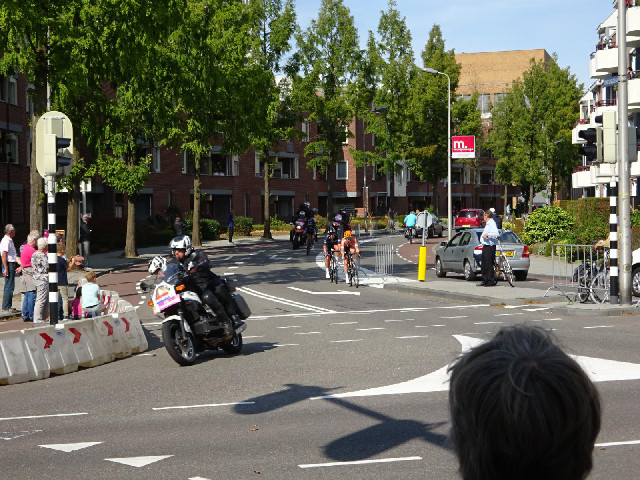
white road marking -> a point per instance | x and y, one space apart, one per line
13 435
615 444
507 314
458 316
600 326
286 344
343 323
486 323
373 328
291 303
438 325
138 461
227 274
338 292
415 336
182 407
143 297
152 323
273 257
252 336
237 263
70 447
404 320
29 417
346 341
230 268
536 309
306 333
359 462
547 320
291 326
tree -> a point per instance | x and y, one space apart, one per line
275 24
429 105
213 88
392 58
323 70
466 119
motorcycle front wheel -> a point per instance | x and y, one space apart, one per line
182 350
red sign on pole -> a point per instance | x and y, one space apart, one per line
463 146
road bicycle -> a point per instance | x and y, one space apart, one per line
352 269
333 268
601 282
409 233
502 266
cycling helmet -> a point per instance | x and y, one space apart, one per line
182 242
331 231
347 233
314 210
338 218
157 263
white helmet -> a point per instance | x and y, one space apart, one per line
182 242
157 263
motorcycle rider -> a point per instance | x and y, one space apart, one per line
302 217
350 243
410 221
345 218
201 280
331 246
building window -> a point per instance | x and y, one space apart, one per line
486 177
484 102
285 168
214 164
9 152
497 98
341 171
305 131
153 153
464 98
9 90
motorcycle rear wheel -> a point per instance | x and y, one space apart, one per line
181 350
235 346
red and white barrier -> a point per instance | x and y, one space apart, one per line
14 359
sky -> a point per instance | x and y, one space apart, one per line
567 28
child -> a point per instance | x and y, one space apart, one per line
76 306
63 284
90 296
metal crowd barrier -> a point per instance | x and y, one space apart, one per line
573 268
384 259
356 230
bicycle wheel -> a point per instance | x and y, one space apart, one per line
356 278
335 270
507 272
331 269
600 287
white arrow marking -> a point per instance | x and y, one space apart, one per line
70 447
598 369
339 292
138 461
616 444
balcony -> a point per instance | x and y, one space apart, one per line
606 58
633 92
633 22
593 72
634 170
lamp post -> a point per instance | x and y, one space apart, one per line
449 198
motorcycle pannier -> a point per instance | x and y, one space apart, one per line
244 311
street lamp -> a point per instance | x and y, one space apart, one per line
449 198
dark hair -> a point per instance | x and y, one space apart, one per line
522 409
489 214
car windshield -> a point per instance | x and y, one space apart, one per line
509 237
467 214
172 274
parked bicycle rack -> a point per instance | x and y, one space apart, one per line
574 267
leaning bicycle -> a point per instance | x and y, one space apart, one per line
601 282
502 265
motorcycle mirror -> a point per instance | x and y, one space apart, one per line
144 287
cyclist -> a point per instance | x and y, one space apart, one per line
349 243
201 280
410 222
330 246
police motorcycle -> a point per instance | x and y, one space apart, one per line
190 326
299 231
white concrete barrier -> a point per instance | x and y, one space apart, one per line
112 305
87 347
14 359
37 341
133 330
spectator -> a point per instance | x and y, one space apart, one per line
521 408
231 223
10 266
179 227
509 213
40 266
91 304
28 287
76 305
496 218
85 239
488 239
63 283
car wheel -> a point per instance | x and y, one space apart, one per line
635 282
469 274
521 275
441 232
440 273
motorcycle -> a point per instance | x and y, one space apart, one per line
299 233
190 326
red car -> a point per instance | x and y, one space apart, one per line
470 218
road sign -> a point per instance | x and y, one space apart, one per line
463 146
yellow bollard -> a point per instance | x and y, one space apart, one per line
422 264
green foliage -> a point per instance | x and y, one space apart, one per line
242 225
635 218
277 224
209 229
591 219
321 222
546 223
508 226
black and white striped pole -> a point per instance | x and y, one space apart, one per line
54 132
613 239
52 256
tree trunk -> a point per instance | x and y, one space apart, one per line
530 197
197 242
73 214
130 242
267 199
506 200
553 187
36 189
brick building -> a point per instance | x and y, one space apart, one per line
237 181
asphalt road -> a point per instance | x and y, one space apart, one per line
375 358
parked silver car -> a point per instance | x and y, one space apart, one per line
462 254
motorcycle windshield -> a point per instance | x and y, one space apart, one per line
171 274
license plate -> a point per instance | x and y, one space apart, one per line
467 226
506 254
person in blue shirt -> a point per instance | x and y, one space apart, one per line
489 239
410 221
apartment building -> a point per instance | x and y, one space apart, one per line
591 180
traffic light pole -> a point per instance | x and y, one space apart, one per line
624 205
53 250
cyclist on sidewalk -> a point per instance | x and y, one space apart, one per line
349 244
